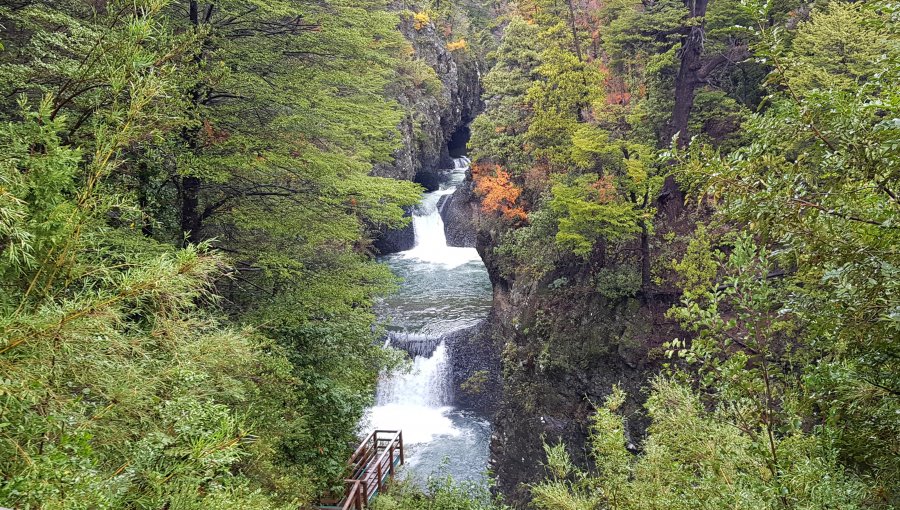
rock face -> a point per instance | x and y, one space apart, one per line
475 362
564 346
393 241
424 147
459 211
565 349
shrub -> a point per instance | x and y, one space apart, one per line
421 20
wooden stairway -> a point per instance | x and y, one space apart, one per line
372 465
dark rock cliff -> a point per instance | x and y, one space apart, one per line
475 370
433 118
459 211
564 345
396 240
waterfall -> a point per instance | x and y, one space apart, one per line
417 401
445 289
431 241
426 385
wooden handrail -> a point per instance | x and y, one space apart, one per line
353 496
362 446
366 466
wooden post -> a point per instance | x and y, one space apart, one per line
400 435
391 460
378 465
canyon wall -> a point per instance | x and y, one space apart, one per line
562 345
433 116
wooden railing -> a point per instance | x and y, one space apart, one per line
371 466
355 497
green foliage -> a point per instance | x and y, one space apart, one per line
440 493
498 133
800 322
837 47
819 183
119 389
698 267
788 296
717 117
476 382
635 35
586 211
422 75
616 283
524 251
586 177
563 87
185 203
694 458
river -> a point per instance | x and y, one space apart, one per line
444 289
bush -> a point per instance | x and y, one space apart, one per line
441 493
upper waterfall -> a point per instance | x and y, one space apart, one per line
431 241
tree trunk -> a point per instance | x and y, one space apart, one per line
574 31
190 185
190 209
144 199
645 261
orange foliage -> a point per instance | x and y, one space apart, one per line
604 69
498 193
616 90
212 136
618 98
606 189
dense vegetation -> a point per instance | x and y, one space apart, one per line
441 492
185 208
778 121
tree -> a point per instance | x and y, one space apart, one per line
692 458
174 177
120 389
588 210
818 185
498 132
499 195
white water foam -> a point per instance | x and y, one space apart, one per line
431 241
416 401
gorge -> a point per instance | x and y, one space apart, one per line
586 254
444 297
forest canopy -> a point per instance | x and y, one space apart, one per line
185 210
734 163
